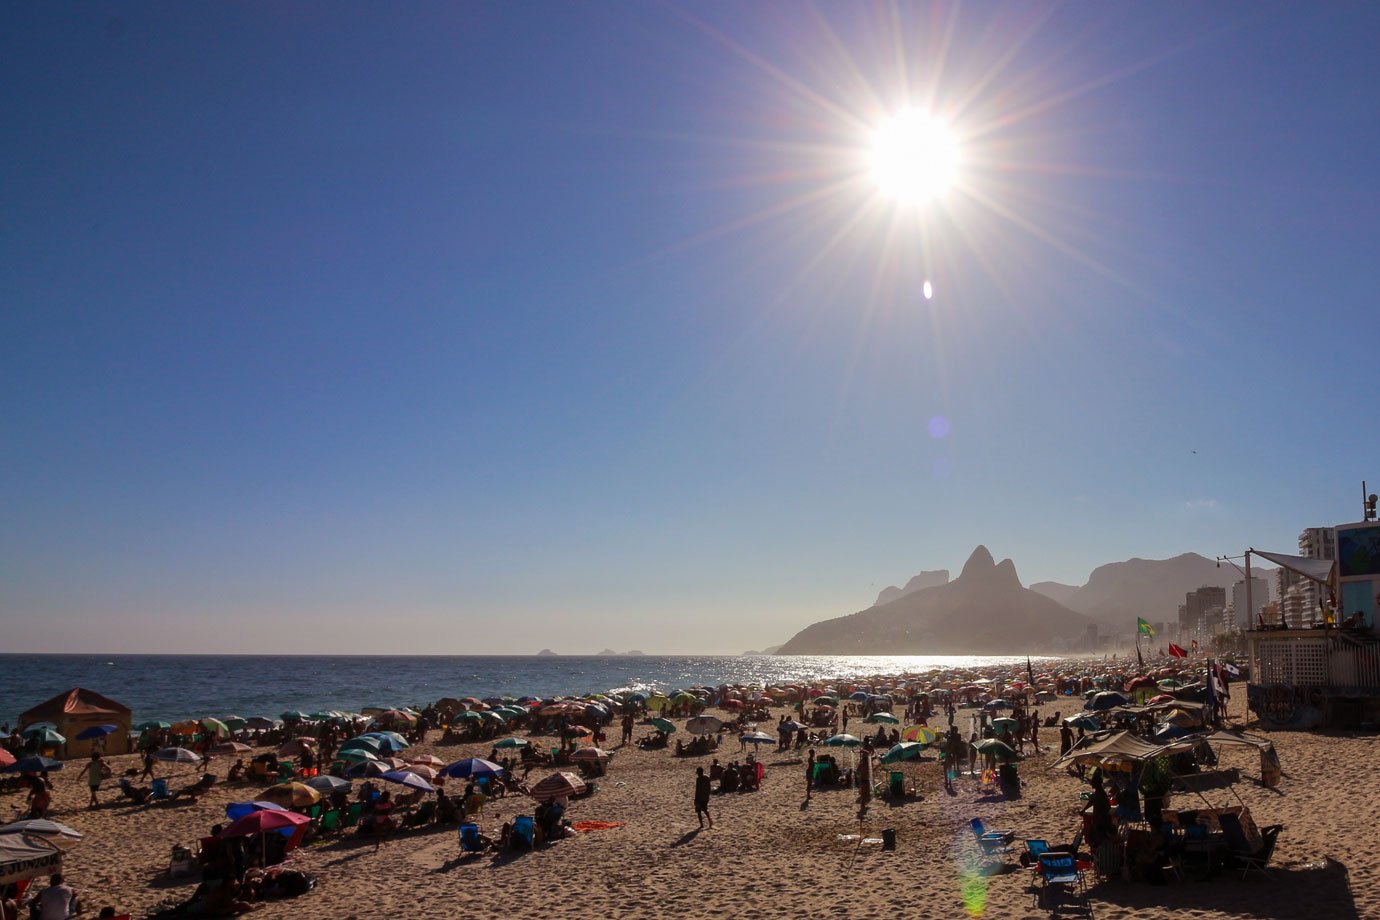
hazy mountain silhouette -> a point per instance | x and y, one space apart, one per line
984 611
1119 592
918 583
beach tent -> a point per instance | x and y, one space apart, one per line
78 709
24 857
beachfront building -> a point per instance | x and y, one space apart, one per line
77 710
1323 669
1243 618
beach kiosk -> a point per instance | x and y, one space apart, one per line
77 710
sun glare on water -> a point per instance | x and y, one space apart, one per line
914 157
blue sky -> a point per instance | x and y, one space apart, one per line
488 327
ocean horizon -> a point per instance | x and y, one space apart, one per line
169 686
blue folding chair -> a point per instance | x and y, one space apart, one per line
160 790
524 832
469 839
1058 873
991 841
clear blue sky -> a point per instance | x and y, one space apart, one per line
488 327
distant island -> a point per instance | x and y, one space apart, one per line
546 653
769 650
610 653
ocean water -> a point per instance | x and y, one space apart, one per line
191 686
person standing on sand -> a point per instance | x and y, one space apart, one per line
94 771
810 775
148 764
702 797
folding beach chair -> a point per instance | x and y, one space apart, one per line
991 842
469 839
160 790
351 817
524 832
1058 873
330 821
1242 853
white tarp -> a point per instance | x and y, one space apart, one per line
23 857
1320 570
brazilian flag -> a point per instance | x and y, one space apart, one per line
1143 628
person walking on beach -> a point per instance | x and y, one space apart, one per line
702 797
810 775
148 764
94 771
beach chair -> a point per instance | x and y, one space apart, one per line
1058 873
330 821
524 832
991 842
314 812
259 770
896 785
159 790
351 817
1243 855
1034 848
469 839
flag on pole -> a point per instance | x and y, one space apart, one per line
1230 668
1029 671
1177 652
1139 660
1143 628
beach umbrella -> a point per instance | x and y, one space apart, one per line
658 702
215 727
1004 725
366 769
471 767
45 736
994 705
38 727
152 725
177 755
24 857
843 741
512 743
231 747
791 725
294 795
234 723
356 755
1084 721
6 758
557 785
425 760
590 753
96 731
1162 698
325 715
425 771
906 750
294 715
703 725
825 700
994 746
263 821
884 717
236 810
391 740
756 738
395 717
920 733
408 779
260 723
471 716
663 725
371 745
858 696
1172 684
59 835
329 785
32 765
296 747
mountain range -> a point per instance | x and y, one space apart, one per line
1118 592
986 610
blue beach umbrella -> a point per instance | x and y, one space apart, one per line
96 731
33 765
410 780
471 767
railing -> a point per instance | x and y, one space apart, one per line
1335 660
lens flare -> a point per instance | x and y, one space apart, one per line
928 290
913 157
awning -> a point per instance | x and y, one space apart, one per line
1319 570
1123 746
24 857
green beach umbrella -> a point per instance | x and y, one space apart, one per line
906 750
234 723
45 736
1005 725
152 725
825 701
843 741
356 755
215 727
664 725
885 717
469 715
993 746
512 743
294 715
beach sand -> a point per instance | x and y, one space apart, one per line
769 853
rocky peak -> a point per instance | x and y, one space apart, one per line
979 564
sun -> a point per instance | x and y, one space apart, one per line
914 157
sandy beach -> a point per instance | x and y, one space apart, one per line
769 853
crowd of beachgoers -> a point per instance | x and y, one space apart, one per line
223 814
